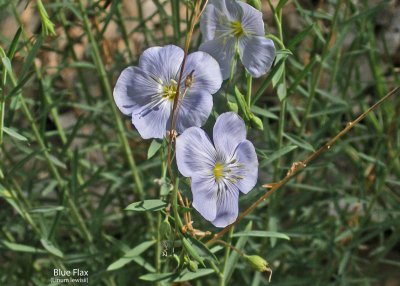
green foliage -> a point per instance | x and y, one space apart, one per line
80 189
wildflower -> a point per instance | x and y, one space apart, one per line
147 92
231 27
220 170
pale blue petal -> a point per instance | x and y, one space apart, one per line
223 50
227 206
229 131
257 54
195 155
252 20
162 63
204 191
134 89
154 120
193 110
206 72
233 10
208 22
246 156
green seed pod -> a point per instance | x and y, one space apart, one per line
257 262
256 4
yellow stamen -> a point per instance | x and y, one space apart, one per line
218 170
169 92
237 29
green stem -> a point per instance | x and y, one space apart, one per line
283 106
249 89
317 77
75 214
178 221
107 88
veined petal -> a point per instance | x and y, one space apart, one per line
233 10
229 131
154 119
246 156
208 22
257 54
223 50
204 192
206 72
134 89
195 155
193 110
162 63
251 20
227 206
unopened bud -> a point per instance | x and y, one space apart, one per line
189 80
256 122
165 229
192 265
233 106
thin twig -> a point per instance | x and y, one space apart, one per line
194 19
298 166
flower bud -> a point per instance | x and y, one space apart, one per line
255 3
256 122
192 265
233 106
165 229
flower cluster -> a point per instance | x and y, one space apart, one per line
219 170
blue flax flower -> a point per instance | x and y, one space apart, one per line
220 170
231 27
147 92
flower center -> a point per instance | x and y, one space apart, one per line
218 170
169 92
237 29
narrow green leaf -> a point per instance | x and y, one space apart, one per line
263 112
260 233
15 134
234 256
280 5
14 44
192 251
278 154
57 162
277 76
47 209
130 255
202 249
147 205
299 142
31 56
82 65
154 147
153 277
49 246
21 247
299 37
187 275
281 91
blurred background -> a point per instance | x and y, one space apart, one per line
70 163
